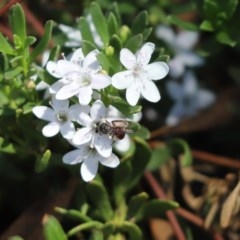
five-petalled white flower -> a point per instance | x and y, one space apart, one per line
188 97
79 76
90 158
137 79
182 44
60 117
89 134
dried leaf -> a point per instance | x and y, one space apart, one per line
228 206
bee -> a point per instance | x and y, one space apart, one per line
116 129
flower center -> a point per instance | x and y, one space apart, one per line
137 70
62 117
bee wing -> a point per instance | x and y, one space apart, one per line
120 123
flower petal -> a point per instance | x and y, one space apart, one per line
127 58
100 81
85 95
186 40
67 130
82 135
123 145
150 91
176 67
190 83
44 113
55 87
112 161
68 91
175 90
89 168
190 59
122 80
90 61
166 34
177 112
66 67
51 129
53 70
157 70
103 144
75 112
205 98
59 105
98 111
77 57
133 94
75 156
145 53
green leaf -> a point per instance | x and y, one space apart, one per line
140 23
74 214
135 204
96 235
53 230
87 47
85 30
182 24
103 60
6 147
30 40
18 23
224 38
206 26
100 22
112 22
27 108
219 10
115 10
139 161
159 157
42 163
135 42
179 146
42 45
5 47
15 238
101 202
132 230
54 53
116 43
147 33
142 132
156 208
11 73
123 106
124 169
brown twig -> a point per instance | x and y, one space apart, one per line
6 7
215 159
170 215
180 211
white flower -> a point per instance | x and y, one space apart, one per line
73 35
137 79
88 134
60 117
89 158
188 97
79 76
182 44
